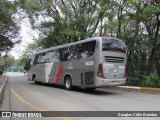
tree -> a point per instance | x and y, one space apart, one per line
8 26
7 61
148 16
136 22
28 52
65 21
5 43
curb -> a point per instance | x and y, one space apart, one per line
140 89
130 87
2 89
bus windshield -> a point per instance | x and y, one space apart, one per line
113 44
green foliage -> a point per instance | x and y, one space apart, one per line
141 32
5 43
132 81
30 5
150 11
21 62
134 21
8 26
6 61
27 53
151 80
67 21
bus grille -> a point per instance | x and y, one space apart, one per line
114 59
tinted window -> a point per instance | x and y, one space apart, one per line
36 58
64 53
53 56
79 51
41 58
87 49
113 44
73 53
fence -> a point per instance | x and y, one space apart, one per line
15 69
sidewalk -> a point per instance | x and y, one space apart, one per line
137 89
2 78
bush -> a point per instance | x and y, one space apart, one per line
151 80
132 81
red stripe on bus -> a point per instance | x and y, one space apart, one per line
59 74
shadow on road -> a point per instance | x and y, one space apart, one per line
98 91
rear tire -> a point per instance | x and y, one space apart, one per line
68 83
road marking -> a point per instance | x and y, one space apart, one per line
38 108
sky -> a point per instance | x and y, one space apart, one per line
27 35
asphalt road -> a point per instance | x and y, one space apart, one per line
23 95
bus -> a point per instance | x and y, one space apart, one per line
90 63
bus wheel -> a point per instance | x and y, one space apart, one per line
34 80
68 83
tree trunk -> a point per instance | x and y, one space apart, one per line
151 61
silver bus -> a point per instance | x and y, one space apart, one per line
89 63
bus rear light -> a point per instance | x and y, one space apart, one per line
100 71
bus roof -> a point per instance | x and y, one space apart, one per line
67 44
73 43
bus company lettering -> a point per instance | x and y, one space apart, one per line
89 63
70 66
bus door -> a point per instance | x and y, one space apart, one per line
48 69
52 72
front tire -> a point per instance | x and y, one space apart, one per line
34 80
68 83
